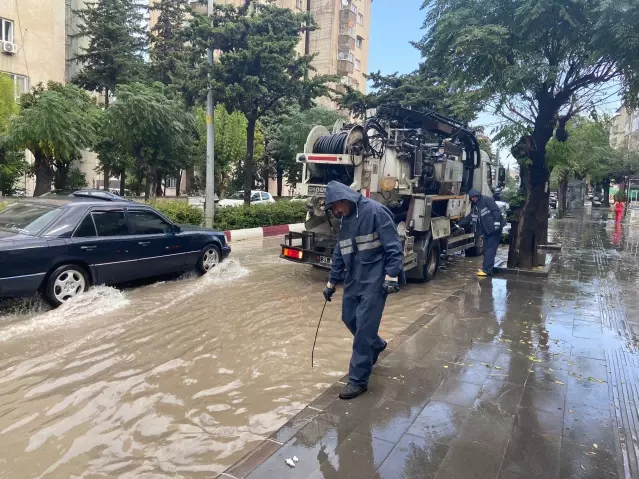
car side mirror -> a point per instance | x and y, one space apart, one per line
501 177
177 229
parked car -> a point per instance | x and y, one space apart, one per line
84 193
552 200
503 208
60 247
301 198
237 199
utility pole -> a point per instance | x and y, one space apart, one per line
209 209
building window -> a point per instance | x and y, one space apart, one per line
20 84
360 42
6 27
358 65
360 19
299 4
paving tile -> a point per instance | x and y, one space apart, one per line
531 456
539 422
548 379
499 396
448 351
327 397
488 426
418 386
588 392
413 458
543 400
439 422
484 353
289 429
468 371
588 348
254 459
586 462
457 392
468 459
389 422
511 368
586 425
357 457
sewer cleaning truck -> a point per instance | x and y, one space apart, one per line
420 165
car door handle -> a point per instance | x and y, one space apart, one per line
88 248
144 243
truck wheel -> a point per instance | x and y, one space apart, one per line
432 262
64 283
478 249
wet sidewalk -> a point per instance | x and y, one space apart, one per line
509 379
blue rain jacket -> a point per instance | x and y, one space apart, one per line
485 213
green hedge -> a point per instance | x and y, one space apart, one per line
240 217
181 212
237 217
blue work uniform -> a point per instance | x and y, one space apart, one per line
489 221
368 249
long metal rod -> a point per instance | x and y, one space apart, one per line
316 333
209 210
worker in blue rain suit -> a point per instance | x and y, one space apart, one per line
488 220
369 259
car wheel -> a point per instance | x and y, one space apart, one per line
65 283
209 259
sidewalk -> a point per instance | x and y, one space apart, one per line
512 379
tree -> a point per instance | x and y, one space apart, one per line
540 63
12 164
151 128
420 90
167 49
285 138
55 124
116 40
259 70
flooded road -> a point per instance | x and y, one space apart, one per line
178 378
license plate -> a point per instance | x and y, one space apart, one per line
324 259
316 190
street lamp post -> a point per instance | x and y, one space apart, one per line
209 208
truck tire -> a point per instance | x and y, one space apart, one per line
431 267
478 249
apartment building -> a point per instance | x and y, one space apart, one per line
624 132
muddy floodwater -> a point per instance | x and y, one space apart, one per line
177 378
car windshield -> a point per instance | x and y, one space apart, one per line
238 195
27 218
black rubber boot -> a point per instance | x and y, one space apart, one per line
378 352
351 391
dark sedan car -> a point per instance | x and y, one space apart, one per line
60 247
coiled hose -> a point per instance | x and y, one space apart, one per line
331 144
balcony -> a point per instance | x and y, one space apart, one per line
348 18
347 38
345 67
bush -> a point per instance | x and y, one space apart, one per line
181 212
3 205
240 217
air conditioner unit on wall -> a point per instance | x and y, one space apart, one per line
10 48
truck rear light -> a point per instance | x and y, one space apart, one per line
292 253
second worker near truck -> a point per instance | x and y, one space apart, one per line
368 258
489 222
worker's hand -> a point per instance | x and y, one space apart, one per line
391 285
329 291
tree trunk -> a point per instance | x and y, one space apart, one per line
280 180
105 170
265 178
43 174
248 164
158 184
561 195
122 182
61 175
178 183
606 192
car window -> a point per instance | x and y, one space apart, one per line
110 223
255 197
86 228
27 218
146 222
238 195
265 196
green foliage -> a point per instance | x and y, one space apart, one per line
3 205
55 124
254 216
286 135
420 90
151 128
12 163
259 70
180 212
75 179
116 40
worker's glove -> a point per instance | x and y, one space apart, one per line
391 285
329 291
